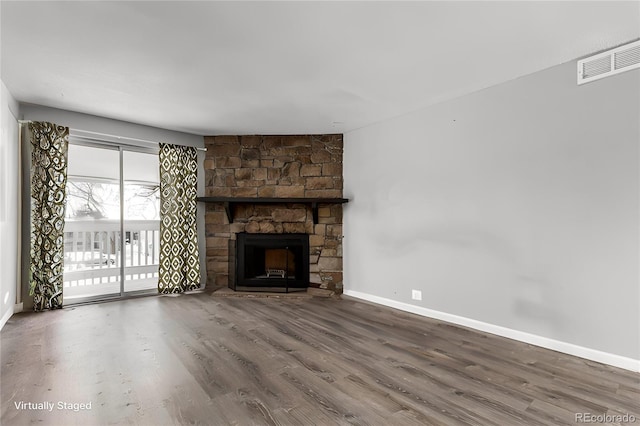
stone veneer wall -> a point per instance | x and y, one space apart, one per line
308 166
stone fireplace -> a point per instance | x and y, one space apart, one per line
274 185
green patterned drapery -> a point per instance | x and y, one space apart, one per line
49 147
179 268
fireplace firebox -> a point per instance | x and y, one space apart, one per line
271 262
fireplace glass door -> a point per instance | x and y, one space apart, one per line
272 262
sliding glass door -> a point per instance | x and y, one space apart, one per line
112 222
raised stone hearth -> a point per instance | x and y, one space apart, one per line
277 167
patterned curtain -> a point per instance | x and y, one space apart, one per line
179 263
49 145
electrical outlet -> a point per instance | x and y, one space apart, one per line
416 294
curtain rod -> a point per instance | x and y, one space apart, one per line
109 135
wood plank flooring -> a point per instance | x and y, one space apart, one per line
199 359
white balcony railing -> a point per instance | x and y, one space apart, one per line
93 256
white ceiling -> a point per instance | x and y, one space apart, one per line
287 67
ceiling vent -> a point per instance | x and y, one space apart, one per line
611 62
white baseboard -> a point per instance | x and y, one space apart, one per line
6 316
544 342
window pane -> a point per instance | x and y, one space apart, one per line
141 220
92 225
99 163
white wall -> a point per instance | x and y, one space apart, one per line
514 210
9 201
86 124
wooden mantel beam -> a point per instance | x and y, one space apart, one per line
230 202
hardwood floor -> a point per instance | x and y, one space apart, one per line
199 359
